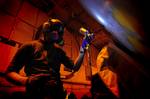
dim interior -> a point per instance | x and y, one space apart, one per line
121 36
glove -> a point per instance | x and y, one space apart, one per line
87 40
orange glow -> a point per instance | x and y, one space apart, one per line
109 77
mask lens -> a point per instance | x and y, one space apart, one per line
58 27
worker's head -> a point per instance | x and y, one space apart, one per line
53 31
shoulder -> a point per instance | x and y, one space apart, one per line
35 43
30 46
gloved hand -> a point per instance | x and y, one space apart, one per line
87 40
37 80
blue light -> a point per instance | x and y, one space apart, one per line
102 12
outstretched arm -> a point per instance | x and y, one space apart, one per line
85 45
76 65
79 60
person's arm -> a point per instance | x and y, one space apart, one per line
75 66
85 45
17 78
18 61
79 60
